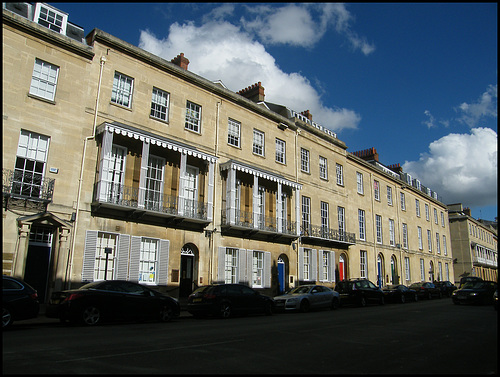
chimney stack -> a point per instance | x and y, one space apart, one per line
254 93
396 168
307 114
181 61
467 212
367 154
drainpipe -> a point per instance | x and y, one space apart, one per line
69 269
214 199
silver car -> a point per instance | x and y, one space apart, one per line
306 297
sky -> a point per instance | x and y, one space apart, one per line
415 81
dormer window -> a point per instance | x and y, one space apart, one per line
51 18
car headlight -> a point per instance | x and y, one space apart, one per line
454 293
473 294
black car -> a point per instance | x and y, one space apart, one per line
111 300
426 290
359 292
19 301
399 293
224 300
468 279
479 292
446 287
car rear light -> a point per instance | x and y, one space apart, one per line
34 296
73 296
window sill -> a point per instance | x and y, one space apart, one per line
120 106
52 102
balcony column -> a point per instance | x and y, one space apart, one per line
255 202
279 209
210 195
297 210
144 172
231 196
182 184
106 146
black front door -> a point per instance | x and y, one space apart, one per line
186 280
36 272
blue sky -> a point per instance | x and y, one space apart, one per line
418 82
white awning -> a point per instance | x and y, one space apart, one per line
260 173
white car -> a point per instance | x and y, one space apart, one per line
306 297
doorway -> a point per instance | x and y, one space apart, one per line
188 271
36 271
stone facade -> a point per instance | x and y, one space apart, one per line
172 180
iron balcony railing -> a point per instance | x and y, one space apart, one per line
27 185
126 196
246 219
327 233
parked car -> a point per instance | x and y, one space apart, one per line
306 297
399 293
224 300
478 292
426 290
446 287
111 300
359 292
468 279
495 299
19 301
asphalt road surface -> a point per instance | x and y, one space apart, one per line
424 337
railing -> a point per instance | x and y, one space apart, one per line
27 185
126 196
246 219
327 233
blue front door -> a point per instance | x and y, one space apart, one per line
281 276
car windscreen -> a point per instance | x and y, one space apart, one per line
91 285
475 285
301 289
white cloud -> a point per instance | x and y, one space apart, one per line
461 168
221 51
485 106
302 25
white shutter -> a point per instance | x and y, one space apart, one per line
301 263
332 266
250 267
122 255
221 264
89 256
135 256
163 256
106 146
242 266
320 265
267 269
314 265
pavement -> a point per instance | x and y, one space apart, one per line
42 319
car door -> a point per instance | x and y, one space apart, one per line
137 302
251 300
320 297
373 293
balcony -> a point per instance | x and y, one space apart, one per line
120 201
28 190
244 224
326 237
484 262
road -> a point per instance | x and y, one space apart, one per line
425 337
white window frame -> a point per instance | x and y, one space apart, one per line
123 88
257 269
442 219
376 190
362 225
392 234
280 151
363 264
427 213
259 142
193 117
444 245
403 201
405 236
160 103
105 240
422 270
112 174
323 168
359 182
436 216
50 18
44 80
231 266
378 226
407 268
389 195
306 213
233 133
307 264
148 260
325 222
438 244
429 240
417 207
420 240
153 198
304 160
339 169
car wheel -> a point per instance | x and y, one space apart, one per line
225 310
335 304
166 314
304 306
403 299
456 302
91 315
6 318
362 301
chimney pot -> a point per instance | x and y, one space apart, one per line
181 61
